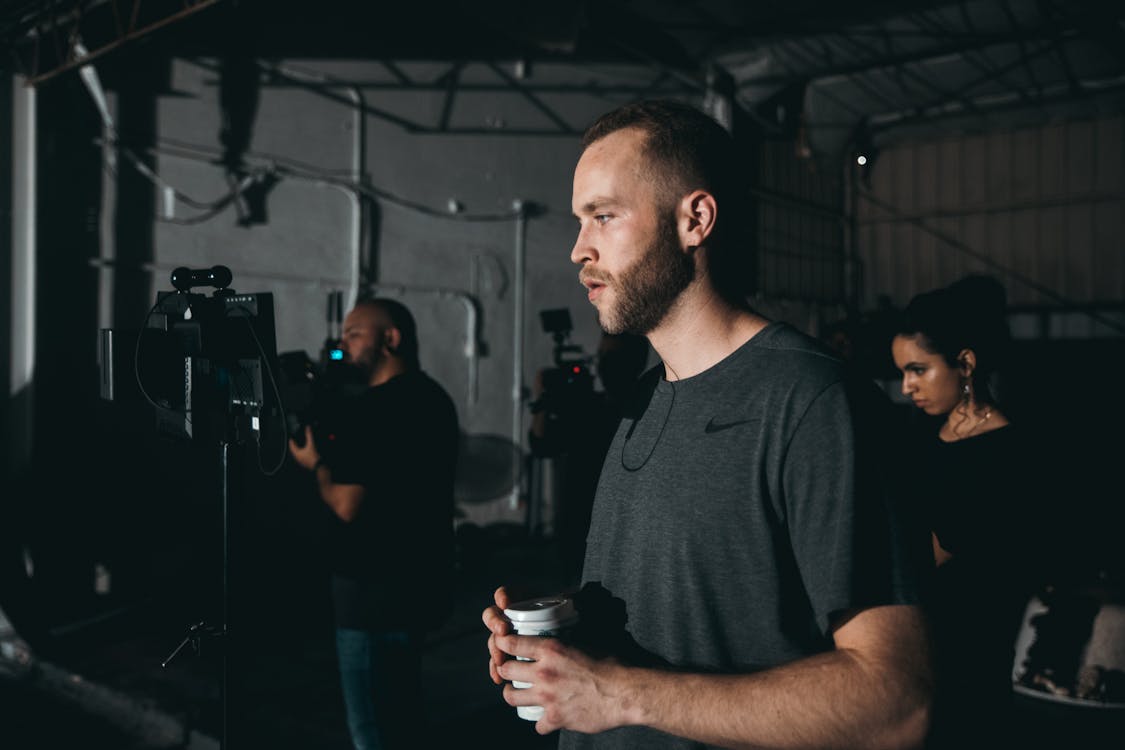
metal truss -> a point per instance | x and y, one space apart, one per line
49 37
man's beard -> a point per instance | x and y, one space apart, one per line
365 362
646 290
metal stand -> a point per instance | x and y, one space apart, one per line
202 630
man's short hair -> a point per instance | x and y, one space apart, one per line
687 150
401 319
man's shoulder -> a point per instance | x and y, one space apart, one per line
782 337
783 354
410 391
431 391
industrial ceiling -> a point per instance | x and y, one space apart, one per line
831 75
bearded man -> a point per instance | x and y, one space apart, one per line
387 475
742 585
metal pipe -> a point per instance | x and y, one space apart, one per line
22 290
517 343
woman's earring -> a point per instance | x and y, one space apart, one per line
966 391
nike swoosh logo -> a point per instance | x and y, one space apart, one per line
714 426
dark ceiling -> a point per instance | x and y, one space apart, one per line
834 75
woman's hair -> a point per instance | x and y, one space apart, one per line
968 314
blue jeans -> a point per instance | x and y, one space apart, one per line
380 673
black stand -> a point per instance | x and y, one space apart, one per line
216 336
202 630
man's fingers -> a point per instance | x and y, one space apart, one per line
495 621
514 670
501 597
493 672
515 696
494 651
527 646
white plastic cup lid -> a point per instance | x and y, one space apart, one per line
544 610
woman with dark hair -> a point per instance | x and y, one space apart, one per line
973 481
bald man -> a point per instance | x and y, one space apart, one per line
387 475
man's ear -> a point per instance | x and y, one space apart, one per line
392 339
696 219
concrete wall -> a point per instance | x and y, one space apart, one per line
322 233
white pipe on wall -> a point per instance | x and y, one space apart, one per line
22 292
517 343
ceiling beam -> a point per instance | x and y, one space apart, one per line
99 25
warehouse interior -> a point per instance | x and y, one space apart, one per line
330 150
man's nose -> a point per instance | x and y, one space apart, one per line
583 251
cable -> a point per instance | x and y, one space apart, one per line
299 170
137 369
276 392
296 169
387 197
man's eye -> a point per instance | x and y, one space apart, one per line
601 218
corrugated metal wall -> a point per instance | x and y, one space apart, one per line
800 228
1043 209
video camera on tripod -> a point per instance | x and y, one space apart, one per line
203 363
570 379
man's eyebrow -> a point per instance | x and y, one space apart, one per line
597 203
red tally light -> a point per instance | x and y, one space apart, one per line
577 369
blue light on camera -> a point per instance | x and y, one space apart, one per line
336 354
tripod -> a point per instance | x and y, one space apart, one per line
202 630
223 342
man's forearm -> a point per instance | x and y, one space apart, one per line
343 499
836 699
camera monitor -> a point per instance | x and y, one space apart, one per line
226 345
205 362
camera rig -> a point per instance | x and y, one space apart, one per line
570 377
202 361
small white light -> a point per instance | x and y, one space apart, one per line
861 160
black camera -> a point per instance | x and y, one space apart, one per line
570 379
317 395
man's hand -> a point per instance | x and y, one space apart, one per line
497 625
576 691
306 455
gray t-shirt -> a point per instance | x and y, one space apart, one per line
734 518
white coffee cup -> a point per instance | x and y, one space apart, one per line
547 617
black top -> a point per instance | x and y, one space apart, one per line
983 498
393 563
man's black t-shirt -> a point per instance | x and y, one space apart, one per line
392 565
